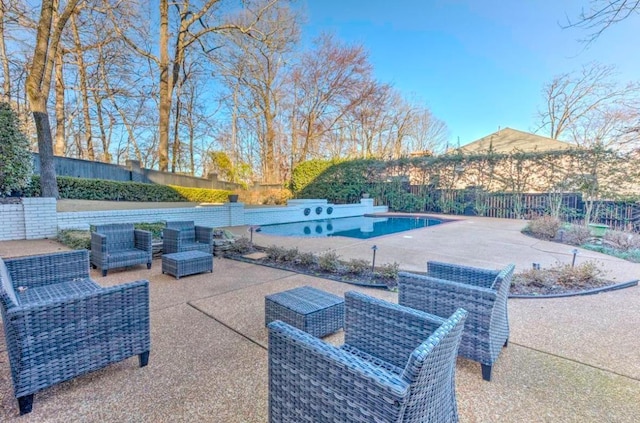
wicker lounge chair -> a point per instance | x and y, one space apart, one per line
482 292
58 323
120 245
397 365
180 236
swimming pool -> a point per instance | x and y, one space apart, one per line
362 227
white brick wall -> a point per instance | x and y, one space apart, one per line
37 217
12 226
40 219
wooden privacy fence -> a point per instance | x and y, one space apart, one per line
78 168
569 207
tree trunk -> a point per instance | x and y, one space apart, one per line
48 183
106 156
61 141
82 72
165 88
175 156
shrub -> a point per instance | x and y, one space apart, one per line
357 266
329 261
75 239
405 202
307 259
275 253
101 189
281 254
272 196
620 240
15 158
585 275
545 227
155 228
576 234
306 172
291 255
389 271
201 195
241 246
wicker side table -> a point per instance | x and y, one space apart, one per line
316 312
187 263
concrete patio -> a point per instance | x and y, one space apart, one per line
569 360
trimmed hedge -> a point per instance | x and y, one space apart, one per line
345 182
202 195
307 172
101 189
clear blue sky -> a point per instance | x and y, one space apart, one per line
478 64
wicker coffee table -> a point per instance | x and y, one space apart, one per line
316 312
187 263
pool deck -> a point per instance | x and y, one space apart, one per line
569 360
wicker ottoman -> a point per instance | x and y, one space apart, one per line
187 263
314 311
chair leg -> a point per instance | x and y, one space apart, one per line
486 372
26 404
143 358
506 343
149 265
104 272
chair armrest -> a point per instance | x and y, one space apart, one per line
462 274
142 240
81 317
204 234
47 269
300 364
387 331
443 297
98 242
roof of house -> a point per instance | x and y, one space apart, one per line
506 140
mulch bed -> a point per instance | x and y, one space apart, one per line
366 280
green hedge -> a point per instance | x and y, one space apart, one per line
307 172
345 182
101 189
202 195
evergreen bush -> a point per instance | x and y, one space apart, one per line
15 158
101 189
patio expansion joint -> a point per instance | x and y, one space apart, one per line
635 379
253 341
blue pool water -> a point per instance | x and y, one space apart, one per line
361 227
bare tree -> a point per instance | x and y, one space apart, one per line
39 83
192 23
601 14
580 106
326 84
4 58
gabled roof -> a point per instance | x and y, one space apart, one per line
506 140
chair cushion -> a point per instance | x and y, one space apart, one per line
58 291
128 256
7 284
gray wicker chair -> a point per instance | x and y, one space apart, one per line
482 292
58 323
181 236
397 365
120 245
